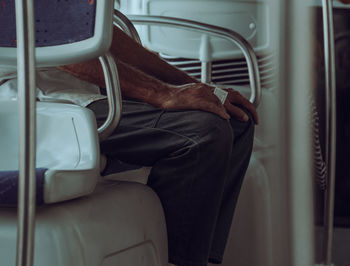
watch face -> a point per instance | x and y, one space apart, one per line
57 22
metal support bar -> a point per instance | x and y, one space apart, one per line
227 34
27 113
113 94
330 157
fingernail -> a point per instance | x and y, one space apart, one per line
245 118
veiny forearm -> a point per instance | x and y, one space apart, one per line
193 96
127 50
136 84
143 74
133 82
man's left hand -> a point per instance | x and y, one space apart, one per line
234 101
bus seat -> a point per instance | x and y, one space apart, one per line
120 223
87 222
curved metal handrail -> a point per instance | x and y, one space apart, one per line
27 114
120 20
330 153
113 95
248 52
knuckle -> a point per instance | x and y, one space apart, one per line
242 115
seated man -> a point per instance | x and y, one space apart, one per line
199 148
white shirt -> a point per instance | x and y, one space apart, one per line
53 85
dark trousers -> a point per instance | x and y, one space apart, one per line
198 163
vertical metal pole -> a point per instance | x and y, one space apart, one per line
294 144
26 89
206 72
205 56
329 51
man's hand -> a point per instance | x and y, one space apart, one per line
199 96
194 96
233 103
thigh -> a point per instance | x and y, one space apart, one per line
147 134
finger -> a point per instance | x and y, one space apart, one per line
237 99
216 109
237 112
251 108
213 97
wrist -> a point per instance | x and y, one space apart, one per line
161 97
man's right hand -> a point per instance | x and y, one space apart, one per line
194 96
199 96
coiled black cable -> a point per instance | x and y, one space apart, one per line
320 167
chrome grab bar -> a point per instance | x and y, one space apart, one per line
119 19
27 114
113 95
330 153
248 52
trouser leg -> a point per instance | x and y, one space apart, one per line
240 156
191 154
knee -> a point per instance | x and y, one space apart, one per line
213 133
250 127
245 129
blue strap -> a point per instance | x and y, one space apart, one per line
9 187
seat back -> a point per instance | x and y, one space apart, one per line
66 31
68 233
